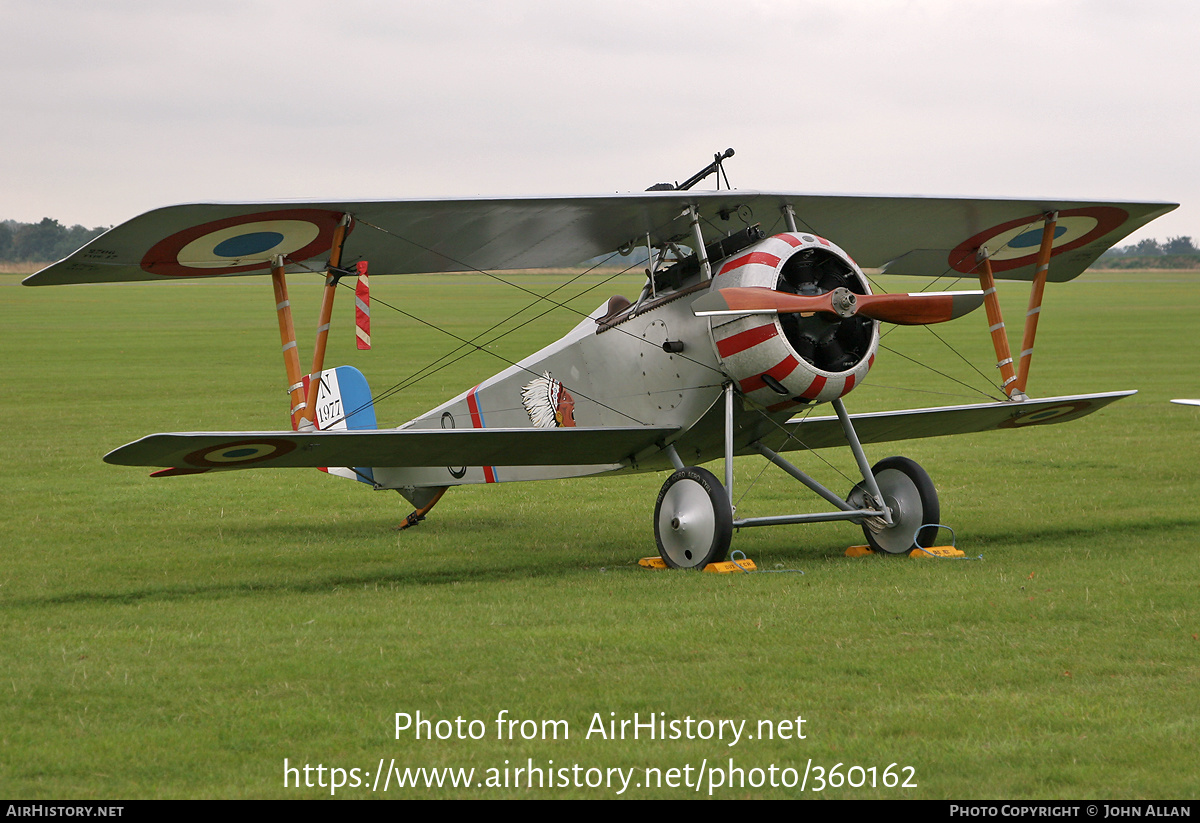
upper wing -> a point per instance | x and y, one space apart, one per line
905 235
390 448
910 424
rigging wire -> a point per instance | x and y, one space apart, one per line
467 347
992 384
496 355
939 372
472 345
790 436
961 357
417 375
466 343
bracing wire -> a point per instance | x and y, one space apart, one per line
992 384
469 346
473 345
538 297
465 344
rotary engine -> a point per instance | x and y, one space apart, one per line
784 360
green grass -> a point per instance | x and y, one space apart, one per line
181 637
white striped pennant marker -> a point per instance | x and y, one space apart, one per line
362 308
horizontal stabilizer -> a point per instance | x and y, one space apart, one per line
883 427
392 448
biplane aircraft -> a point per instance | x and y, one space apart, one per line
750 313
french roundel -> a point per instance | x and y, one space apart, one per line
1015 244
246 243
239 453
1045 415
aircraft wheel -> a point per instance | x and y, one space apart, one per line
909 493
693 522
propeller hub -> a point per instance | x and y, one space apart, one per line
843 301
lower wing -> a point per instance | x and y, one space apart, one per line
881 427
201 451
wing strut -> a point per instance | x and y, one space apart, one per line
287 338
1004 361
1016 380
331 281
1035 300
701 251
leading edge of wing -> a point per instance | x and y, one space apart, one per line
203 240
911 424
394 448
401 236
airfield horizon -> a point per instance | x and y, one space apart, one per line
182 637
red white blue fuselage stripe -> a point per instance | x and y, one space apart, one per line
489 472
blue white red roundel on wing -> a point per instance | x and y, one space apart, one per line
1016 243
1047 414
239 453
244 243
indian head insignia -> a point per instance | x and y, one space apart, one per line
548 403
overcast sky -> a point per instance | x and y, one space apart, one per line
114 108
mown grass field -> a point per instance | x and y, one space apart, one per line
181 637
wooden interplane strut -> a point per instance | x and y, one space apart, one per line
1035 300
995 316
1015 380
324 317
287 339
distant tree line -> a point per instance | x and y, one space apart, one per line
1174 253
41 242
1153 248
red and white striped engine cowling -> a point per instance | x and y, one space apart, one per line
753 345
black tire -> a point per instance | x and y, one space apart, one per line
908 491
693 522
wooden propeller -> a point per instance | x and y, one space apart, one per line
918 309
